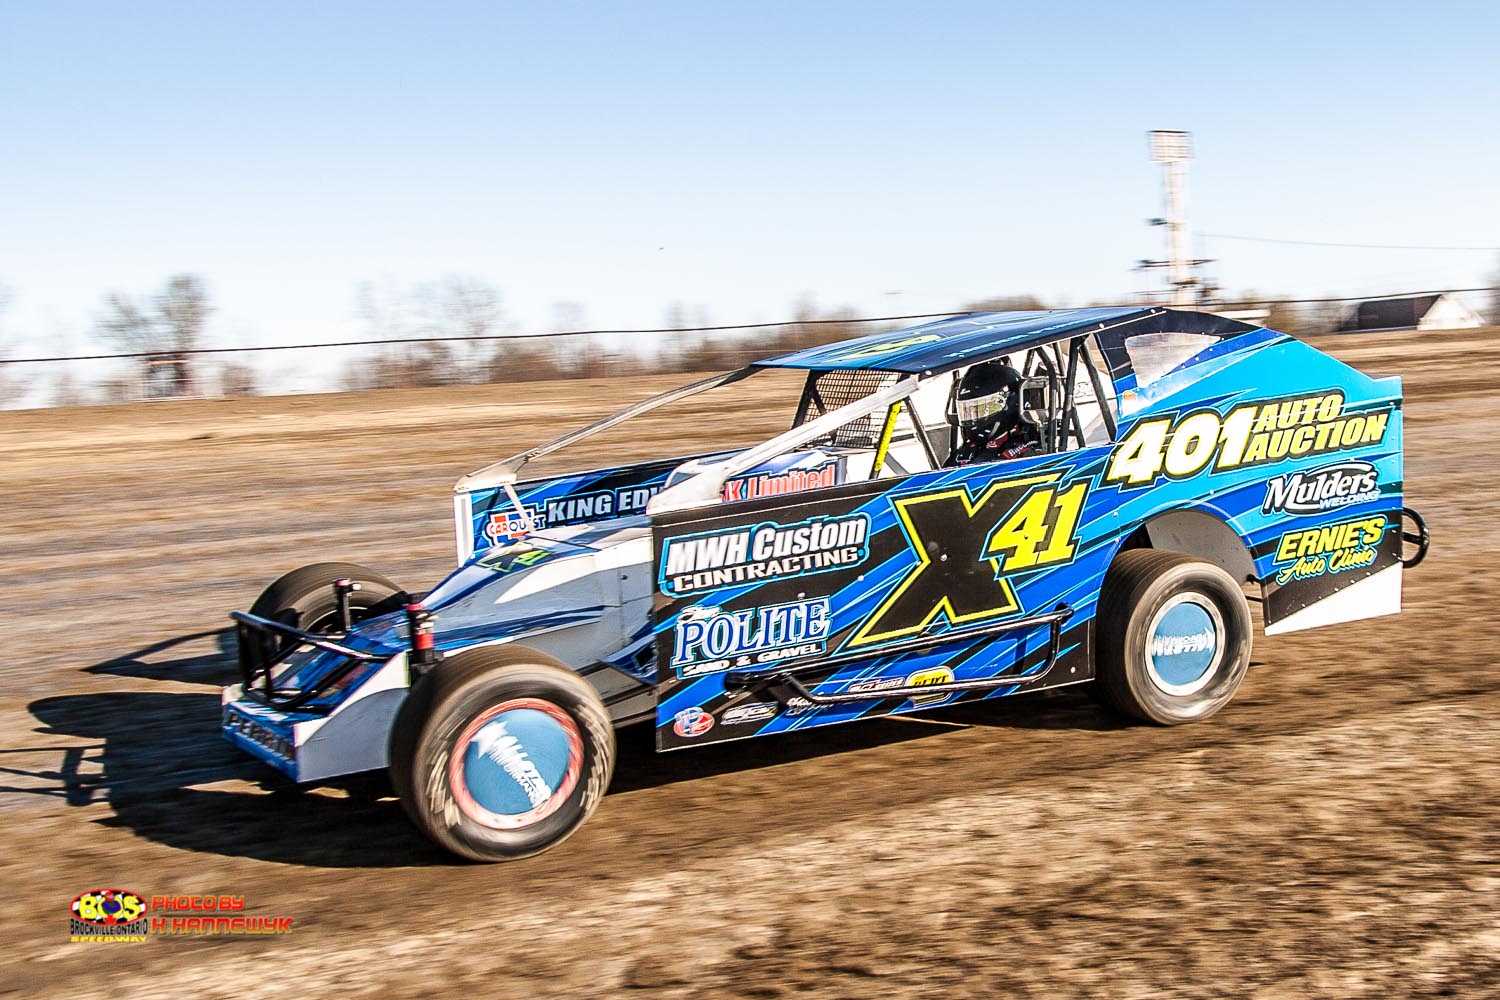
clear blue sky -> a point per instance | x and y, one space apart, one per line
731 157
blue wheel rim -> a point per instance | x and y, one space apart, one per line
1185 644
516 763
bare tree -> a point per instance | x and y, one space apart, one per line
1006 303
167 328
9 386
238 379
455 307
67 391
1494 316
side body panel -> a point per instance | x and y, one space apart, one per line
1298 454
566 501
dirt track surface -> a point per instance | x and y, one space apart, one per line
1332 833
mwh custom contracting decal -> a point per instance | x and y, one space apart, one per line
762 553
1182 445
1014 526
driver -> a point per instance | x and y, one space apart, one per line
989 416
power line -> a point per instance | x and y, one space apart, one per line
855 321
1355 246
477 337
1371 298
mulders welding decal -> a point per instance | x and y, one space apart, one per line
1180 445
762 553
1014 525
1326 488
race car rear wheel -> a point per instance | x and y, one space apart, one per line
500 753
1173 637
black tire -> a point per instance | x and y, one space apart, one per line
454 708
304 598
1147 666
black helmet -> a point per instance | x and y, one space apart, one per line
989 401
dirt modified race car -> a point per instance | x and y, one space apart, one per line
871 560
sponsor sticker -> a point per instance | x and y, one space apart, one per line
1325 488
707 640
1335 548
884 347
1185 444
775 484
932 675
762 553
559 512
510 524
741 715
876 685
258 733
691 722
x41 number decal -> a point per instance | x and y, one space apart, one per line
967 550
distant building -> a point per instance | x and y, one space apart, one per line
1413 312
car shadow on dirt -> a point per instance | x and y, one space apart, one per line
156 759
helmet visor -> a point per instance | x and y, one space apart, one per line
982 408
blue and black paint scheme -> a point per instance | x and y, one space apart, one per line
950 554
799 596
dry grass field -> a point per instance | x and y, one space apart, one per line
1333 833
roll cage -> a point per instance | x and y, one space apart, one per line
866 409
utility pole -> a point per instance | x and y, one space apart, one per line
1174 151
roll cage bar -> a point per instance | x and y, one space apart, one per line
1059 424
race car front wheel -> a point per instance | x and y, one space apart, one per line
305 597
500 753
1173 637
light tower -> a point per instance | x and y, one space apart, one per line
1174 150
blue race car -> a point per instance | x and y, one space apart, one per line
983 506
